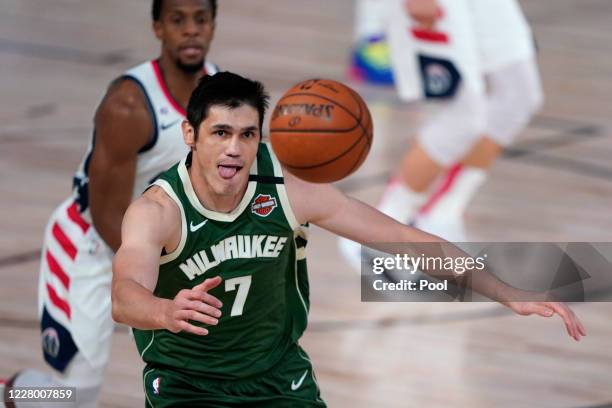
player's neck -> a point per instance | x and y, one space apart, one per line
222 203
179 83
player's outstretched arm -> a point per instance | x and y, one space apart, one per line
123 126
152 223
327 207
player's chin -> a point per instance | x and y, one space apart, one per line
190 64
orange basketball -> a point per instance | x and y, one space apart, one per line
321 130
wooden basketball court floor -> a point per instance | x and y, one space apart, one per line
56 58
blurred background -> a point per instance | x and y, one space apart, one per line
555 184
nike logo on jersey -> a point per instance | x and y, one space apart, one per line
165 126
294 385
194 228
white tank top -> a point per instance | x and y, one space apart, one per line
166 145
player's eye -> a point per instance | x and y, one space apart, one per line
220 133
176 19
248 134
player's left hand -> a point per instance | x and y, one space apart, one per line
574 327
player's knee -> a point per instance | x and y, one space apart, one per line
448 136
534 99
515 97
524 99
511 112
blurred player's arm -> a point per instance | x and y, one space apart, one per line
152 223
123 126
325 206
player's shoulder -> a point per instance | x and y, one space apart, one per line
156 202
124 98
151 217
123 118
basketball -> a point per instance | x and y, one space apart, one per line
321 130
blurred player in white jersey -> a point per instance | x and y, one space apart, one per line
477 59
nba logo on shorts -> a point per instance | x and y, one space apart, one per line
263 205
50 342
156 385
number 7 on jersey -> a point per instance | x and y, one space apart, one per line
244 283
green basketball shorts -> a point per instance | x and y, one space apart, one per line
291 383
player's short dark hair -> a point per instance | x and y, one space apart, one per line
229 90
156 9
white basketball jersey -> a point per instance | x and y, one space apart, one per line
166 145
476 37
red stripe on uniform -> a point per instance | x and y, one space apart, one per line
430 35
57 270
64 241
75 215
164 88
446 185
58 301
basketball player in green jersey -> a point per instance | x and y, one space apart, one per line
218 315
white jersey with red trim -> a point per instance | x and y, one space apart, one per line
472 37
165 147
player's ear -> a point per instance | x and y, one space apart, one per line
214 26
189 134
158 29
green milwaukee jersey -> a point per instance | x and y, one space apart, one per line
259 251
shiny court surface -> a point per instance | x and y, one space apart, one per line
57 57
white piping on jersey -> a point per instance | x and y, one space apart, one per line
301 231
144 385
300 253
282 191
297 286
213 215
148 345
311 372
174 254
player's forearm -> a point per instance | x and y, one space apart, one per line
107 218
481 281
110 195
136 306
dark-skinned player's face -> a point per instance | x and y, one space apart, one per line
186 28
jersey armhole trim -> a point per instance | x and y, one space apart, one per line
154 136
164 259
282 191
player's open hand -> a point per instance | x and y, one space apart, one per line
194 304
424 12
547 309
